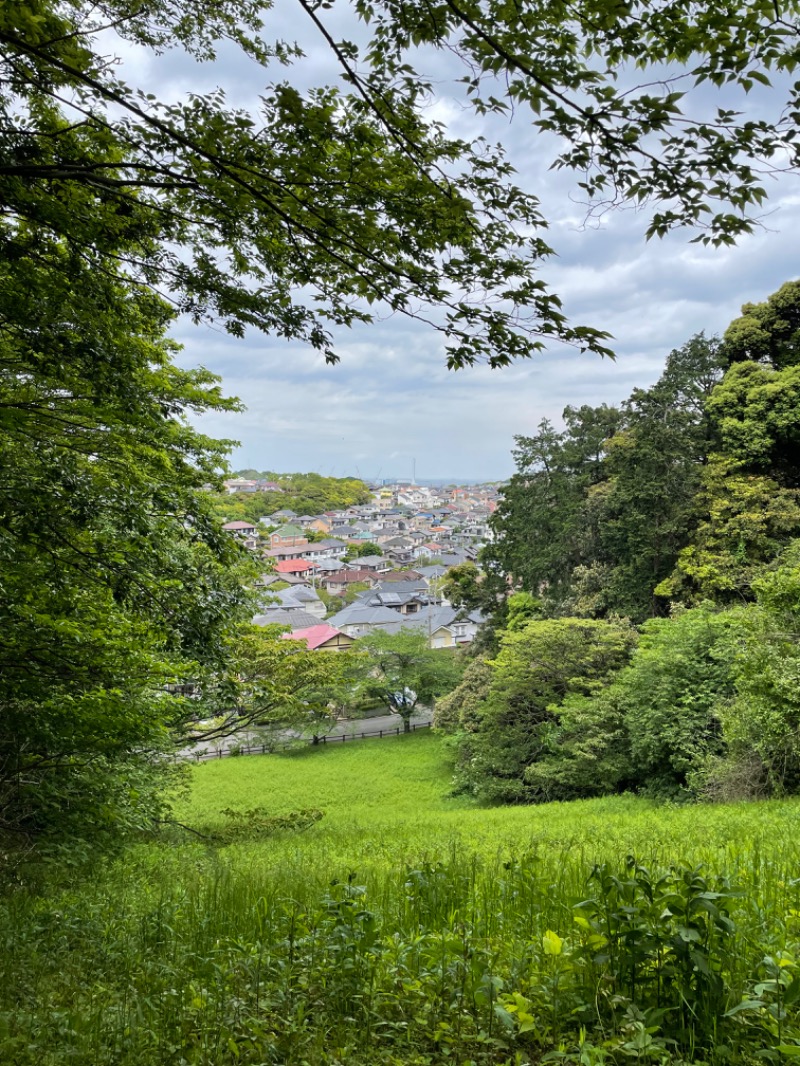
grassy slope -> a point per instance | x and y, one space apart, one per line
390 798
252 954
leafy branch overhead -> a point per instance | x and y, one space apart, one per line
316 209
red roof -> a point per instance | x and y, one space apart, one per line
294 566
314 636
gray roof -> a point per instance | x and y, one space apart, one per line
293 619
403 588
432 571
358 614
268 579
367 560
295 595
329 566
398 542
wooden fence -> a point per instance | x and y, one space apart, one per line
266 749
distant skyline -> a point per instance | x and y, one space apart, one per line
391 398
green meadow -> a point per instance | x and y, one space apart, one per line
348 909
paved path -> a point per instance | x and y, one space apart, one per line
386 724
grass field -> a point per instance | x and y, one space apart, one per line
405 926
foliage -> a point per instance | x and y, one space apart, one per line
756 413
673 693
293 218
521 608
538 668
744 521
769 332
459 710
747 507
360 551
272 683
596 515
402 670
654 464
336 601
539 522
407 928
466 586
761 723
116 579
302 493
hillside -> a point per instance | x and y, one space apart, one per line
302 493
407 927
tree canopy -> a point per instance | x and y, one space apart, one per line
683 493
402 670
297 216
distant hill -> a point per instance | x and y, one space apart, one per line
302 493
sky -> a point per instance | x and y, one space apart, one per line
390 406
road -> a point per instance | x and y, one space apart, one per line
350 727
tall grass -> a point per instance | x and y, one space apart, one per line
410 927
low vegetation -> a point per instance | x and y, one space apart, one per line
407 926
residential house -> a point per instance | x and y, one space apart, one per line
400 549
239 484
297 551
444 626
322 638
320 524
340 580
295 567
401 575
405 603
334 547
287 536
360 619
376 564
240 529
295 598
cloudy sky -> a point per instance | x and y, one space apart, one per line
391 402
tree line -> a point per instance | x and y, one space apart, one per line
309 493
653 638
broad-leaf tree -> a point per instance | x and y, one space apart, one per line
403 671
296 215
116 581
271 685
517 723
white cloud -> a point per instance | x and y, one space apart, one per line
391 399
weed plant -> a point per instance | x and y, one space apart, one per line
406 927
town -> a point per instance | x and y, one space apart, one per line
330 578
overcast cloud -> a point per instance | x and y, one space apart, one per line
391 401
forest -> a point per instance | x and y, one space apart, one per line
309 493
652 556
